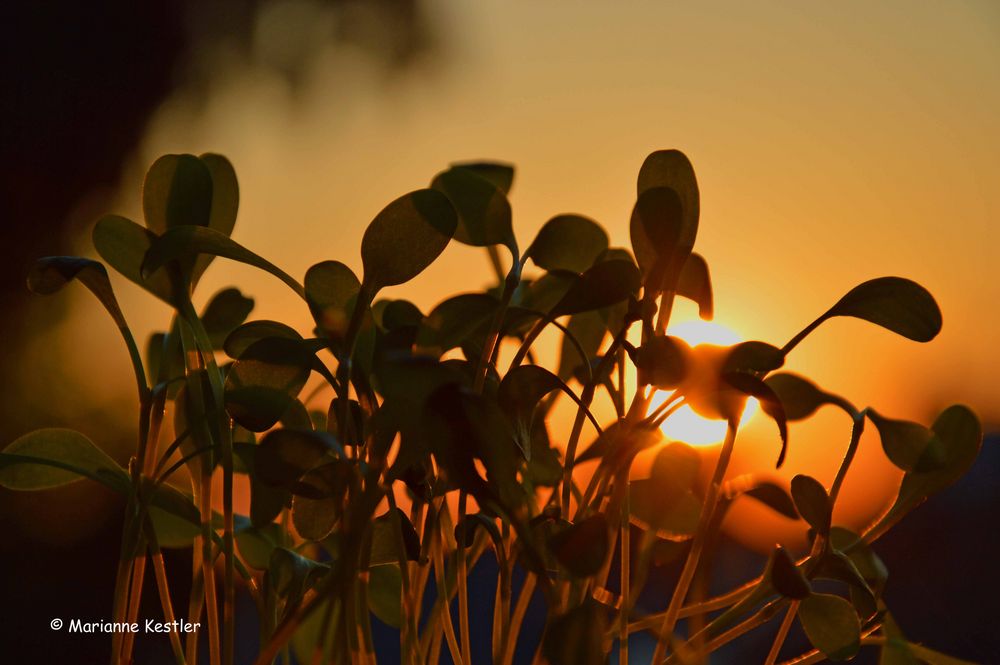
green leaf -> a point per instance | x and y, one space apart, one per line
908 445
895 303
666 501
290 574
589 329
695 283
799 396
51 274
753 386
785 576
177 191
836 565
285 455
568 242
182 242
582 547
385 539
465 531
671 168
172 531
264 379
601 285
318 498
385 593
961 436
895 650
454 321
240 339
831 625
124 244
406 237
225 193
753 357
812 502
331 291
656 230
774 498
256 544
499 173
54 457
224 313
868 564
662 361
576 637
484 215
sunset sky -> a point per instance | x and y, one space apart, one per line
833 142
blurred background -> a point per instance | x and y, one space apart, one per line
833 142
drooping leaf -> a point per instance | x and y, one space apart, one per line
576 637
172 531
465 531
785 576
53 457
753 386
177 190
601 285
910 446
183 242
224 313
406 237
695 283
662 362
124 244
582 547
836 565
484 215
868 564
52 273
831 625
568 242
812 502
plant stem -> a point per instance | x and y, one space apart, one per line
700 537
779 639
625 578
463 586
520 609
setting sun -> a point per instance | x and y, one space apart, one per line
685 424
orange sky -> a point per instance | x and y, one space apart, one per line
834 142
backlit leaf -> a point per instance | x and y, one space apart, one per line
601 285
406 237
568 242
812 502
831 625
53 457
484 215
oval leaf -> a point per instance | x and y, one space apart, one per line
831 625
601 285
812 502
568 242
484 215
55 456
406 237
177 191
895 303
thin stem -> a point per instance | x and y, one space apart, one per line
779 639
463 587
625 578
700 537
520 609
163 588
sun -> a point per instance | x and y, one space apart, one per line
684 424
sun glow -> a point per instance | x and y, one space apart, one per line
685 424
